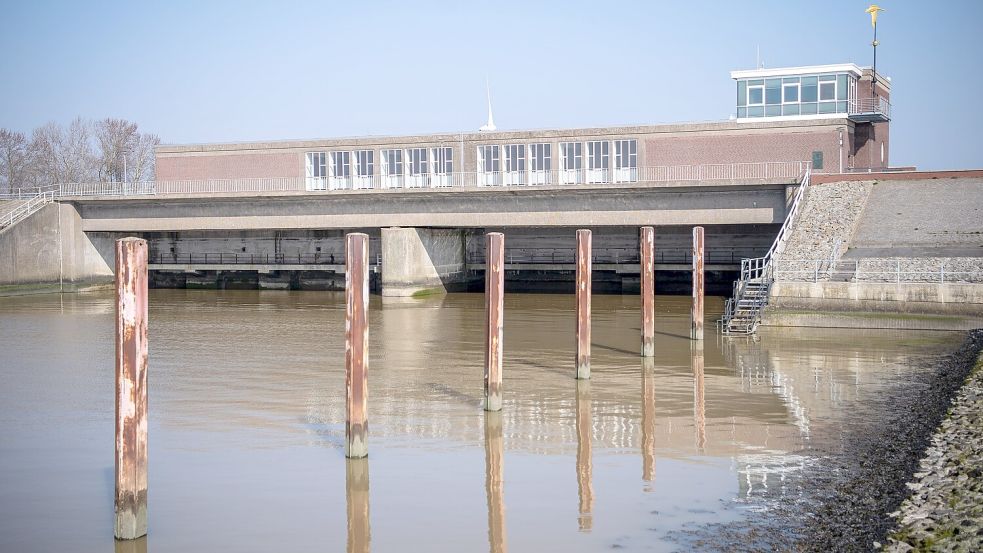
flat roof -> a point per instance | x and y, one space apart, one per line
801 70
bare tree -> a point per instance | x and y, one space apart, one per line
61 155
14 160
142 161
117 140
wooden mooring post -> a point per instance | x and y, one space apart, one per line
646 259
131 388
356 344
699 396
583 302
648 422
696 313
494 316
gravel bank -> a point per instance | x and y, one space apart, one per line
945 510
842 501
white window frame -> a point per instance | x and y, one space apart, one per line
364 169
759 86
540 163
571 162
626 160
417 167
340 170
515 164
798 92
392 168
819 90
489 165
442 165
317 170
598 161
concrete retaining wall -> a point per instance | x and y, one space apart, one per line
48 252
956 306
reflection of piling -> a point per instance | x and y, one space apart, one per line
138 545
696 313
131 388
583 302
646 240
357 499
494 315
699 397
585 468
356 343
648 419
494 483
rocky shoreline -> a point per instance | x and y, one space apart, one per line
945 510
843 501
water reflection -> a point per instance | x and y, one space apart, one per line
585 468
357 497
648 423
699 397
138 545
494 482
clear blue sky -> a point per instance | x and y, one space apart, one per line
230 71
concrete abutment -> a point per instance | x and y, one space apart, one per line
417 261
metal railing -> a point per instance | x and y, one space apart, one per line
876 270
615 256
458 180
757 270
877 104
247 258
26 209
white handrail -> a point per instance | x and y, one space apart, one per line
26 209
454 180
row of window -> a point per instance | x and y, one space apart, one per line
434 166
803 95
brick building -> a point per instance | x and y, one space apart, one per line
831 116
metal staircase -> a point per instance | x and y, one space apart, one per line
25 209
742 312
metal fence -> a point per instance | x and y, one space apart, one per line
616 256
790 170
873 270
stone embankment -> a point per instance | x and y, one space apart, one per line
830 214
945 510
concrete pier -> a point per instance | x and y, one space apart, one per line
583 303
420 261
131 388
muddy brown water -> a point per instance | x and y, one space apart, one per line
247 392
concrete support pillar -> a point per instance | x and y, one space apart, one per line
583 303
494 317
419 261
696 313
356 344
131 388
495 483
646 259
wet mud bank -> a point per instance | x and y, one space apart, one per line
857 479
945 510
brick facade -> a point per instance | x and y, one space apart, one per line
221 165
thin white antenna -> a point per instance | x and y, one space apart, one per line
490 125
757 57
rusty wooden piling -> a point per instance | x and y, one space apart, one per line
696 313
495 483
699 396
356 344
357 501
131 388
648 421
585 463
583 302
646 259
494 317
